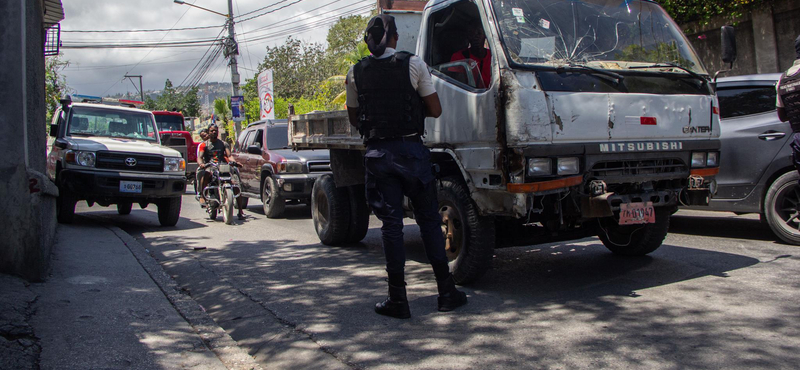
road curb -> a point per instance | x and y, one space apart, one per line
214 337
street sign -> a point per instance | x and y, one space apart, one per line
237 108
265 94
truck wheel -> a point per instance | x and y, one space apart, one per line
634 240
227 206
273 203
169 211
781 208
469 237
359 214
65 206
330 210
124 208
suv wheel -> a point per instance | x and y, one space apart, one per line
169 211
782 207
124 208
273 203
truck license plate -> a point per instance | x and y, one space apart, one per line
130 186
637 213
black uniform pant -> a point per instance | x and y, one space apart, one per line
795 145
395 168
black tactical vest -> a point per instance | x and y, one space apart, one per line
388 105
789 91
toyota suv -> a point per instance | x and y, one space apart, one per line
111 154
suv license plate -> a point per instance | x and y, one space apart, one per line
637 213
130 186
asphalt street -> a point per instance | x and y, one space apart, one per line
721 293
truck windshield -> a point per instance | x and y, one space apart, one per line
168 122
603 34
88 121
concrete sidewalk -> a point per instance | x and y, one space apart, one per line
107 304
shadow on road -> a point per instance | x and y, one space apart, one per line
721 227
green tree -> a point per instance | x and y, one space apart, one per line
191 103
170 99
346 34
223 111
55 84
684 11
298 67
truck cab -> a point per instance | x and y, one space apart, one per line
173 133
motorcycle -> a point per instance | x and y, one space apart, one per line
222 191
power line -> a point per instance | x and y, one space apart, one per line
281 23
260 9
143 30
271 11
307 27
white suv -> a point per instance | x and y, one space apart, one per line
108 154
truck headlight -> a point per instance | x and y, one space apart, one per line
291 167
698 159
568 166
712 159
174 164
540 167
86 159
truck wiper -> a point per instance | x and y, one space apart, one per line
673 65
582 68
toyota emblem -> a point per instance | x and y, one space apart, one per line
130 162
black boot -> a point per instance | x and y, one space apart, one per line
450 298
396 305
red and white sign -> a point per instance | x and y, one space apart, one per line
636 120
266 94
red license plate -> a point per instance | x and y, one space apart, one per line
637 213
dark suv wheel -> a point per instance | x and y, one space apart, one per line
782 207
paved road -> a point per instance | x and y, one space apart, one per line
721 293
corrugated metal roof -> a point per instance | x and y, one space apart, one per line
53 12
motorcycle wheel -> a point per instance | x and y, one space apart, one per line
212 213
227 206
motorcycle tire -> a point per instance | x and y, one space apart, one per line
212 213
227 206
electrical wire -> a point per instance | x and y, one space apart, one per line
143 30
281 23
259 9
269 12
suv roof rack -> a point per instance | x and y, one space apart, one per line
107 101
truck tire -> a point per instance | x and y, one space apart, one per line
227 206
169 211
65 206
359 214
124 208
330 210
781 207
634 240
469 237
273 204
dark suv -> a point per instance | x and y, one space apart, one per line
756 174
271 171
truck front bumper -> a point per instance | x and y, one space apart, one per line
296 186
105 185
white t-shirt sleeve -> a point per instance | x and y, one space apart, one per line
420 77
350 89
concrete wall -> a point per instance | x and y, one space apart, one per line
764 39
27 209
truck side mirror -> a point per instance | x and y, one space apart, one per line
254 149
728 34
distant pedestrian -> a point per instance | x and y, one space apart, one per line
788 102
389 94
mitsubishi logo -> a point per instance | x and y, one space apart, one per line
130 162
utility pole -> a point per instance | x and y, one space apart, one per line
231 51
141 92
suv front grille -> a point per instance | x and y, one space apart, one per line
653 168
319 166
119 161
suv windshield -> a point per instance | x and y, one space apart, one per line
604 34
169 122
89 121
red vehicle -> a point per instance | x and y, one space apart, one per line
174 135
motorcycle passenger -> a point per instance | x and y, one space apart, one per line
212 150
788 102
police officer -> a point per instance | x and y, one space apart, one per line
789 101
389 94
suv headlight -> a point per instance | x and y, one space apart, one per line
291 167
79 157
173 164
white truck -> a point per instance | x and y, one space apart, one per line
599 119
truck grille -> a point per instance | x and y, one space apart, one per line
176 141
119 161
319 166
654 168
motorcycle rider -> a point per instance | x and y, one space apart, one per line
788 102
212 150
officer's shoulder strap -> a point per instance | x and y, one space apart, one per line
403 55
